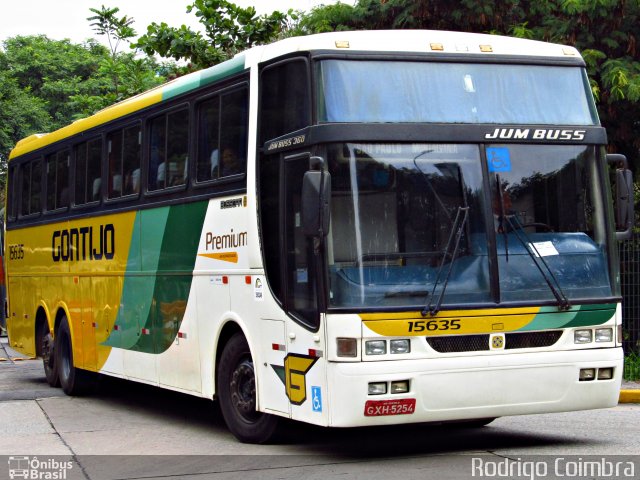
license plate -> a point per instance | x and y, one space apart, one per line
377 408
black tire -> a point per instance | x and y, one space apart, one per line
49 358
236 387
73 381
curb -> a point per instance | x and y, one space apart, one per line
629 396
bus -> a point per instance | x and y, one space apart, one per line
345 229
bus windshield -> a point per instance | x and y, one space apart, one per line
394 227
404 91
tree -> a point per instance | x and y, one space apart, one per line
229 29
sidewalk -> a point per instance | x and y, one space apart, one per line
629 392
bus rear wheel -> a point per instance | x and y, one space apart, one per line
49 358
73 381
236 387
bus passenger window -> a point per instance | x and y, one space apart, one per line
233 138
114 156
58 180
208 139
169 150
131 160
88 157
31 187
177 148
222 135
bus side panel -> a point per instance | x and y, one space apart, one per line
85 309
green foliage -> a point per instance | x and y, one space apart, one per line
229 29
105 22
632 367
46 84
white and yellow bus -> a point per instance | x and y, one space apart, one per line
346 229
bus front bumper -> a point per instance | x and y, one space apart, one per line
478 387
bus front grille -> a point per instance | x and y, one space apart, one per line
478 343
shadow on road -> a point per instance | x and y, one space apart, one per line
356 443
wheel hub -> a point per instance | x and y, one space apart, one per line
243 390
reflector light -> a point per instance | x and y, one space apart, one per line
342 44
437 47
486 48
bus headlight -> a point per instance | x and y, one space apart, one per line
375 347
377 388
400 346
582 336
604 334
401 386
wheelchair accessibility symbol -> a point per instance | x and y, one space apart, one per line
316 399
499 159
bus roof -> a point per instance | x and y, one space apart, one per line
409 41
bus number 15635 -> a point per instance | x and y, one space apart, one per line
433 325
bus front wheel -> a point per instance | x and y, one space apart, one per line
73 381
236 387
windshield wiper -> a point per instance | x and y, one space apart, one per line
457 229
538 260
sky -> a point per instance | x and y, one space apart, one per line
59 19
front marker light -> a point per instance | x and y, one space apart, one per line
604 334
582 336
400 346
347 347
377 388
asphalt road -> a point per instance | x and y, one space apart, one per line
133 431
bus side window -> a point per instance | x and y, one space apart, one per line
88 170
233 135
208 139
58 180
114 158
11 192
177 148
169 150
131 160
285 103
31 187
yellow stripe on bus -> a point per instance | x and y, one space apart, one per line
118 110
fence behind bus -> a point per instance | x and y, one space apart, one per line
630 279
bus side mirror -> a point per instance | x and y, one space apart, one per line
623 195
316 195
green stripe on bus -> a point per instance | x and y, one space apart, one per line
203 78
577 316
139 281
172 283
